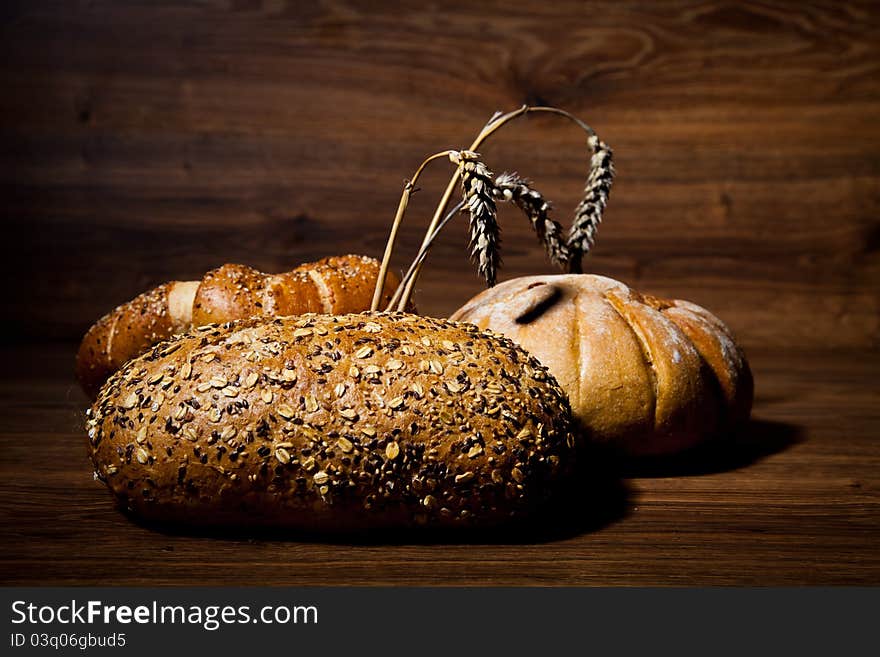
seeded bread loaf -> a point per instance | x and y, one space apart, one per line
327 422
341 284
646 375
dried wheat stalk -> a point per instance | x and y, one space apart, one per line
478 188
588 213
480 193
510 187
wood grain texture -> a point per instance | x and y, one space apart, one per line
795 500
144 142
150 141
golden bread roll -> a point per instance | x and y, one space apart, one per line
340 284
646 375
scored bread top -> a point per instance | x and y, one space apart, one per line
332 422
646 375
115 337
338 284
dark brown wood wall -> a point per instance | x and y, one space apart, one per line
145 141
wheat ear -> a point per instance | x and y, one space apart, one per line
478 190
588 213
481 205
510 187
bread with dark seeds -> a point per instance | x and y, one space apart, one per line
332 423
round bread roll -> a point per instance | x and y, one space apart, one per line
332 423
645 375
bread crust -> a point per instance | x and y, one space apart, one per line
646 375
338 284
126 331
332 423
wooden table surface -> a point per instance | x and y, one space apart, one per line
145 142
794 500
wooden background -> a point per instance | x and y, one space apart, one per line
147 141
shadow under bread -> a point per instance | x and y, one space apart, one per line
595 496
592 498
752 442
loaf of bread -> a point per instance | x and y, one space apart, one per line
342 284
646 375
332 423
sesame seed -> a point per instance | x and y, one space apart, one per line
464 478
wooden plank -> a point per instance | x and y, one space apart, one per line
147 142
795 500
